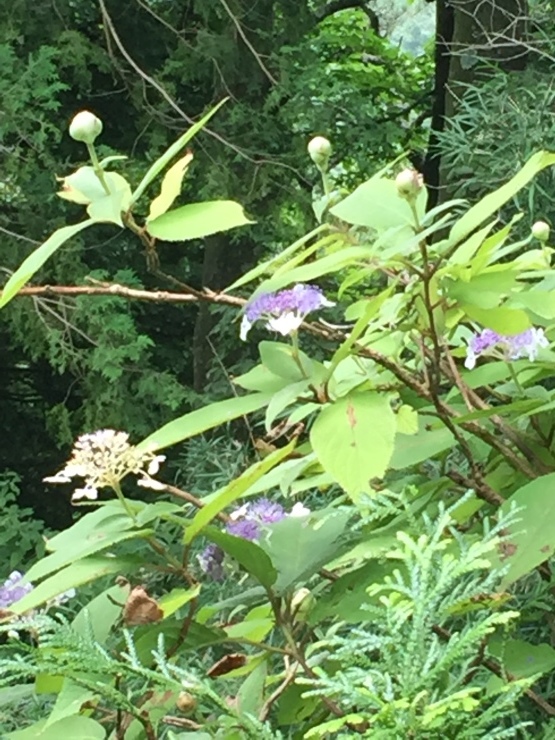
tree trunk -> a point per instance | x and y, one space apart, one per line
472 40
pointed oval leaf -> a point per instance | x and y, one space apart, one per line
36 259
197 220
353 439
200 420
531 539
171 187
76 574
173 151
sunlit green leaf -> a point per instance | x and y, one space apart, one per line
197 220
353 440
170 188
36 259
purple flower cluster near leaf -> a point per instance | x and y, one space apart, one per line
211 562
284 311
515 346
13 589
246 522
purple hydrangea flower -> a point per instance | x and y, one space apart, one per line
284 311
525 344
247 522
211 562
13 589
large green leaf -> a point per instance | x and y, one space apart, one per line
282 360
155 169
272 264
248 554
522 659
170 188
531 539
323 266
377 204
36 259
235 490
490 204
101 613
353 440
299 546
197 220
202 419
83 548
69 701
76 727
502 320
76 574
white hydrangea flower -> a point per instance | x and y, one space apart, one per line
103 459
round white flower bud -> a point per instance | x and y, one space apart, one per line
85 127
409 183
319 150
541 231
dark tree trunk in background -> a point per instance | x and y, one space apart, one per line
473 38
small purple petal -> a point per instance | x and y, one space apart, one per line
211 562
248 529
247 522
525 344
13 589
294 303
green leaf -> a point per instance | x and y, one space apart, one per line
235 490
170 188
407 420
501 320
426 444
36 259
323 266
345 599
101 613
353 440
490 204
69 701
540 302
282 399
248 554
281 360
522 659
83 546
250 697
299 546
76 574
260 379
197 220
530 540
202 419
468 249
75 727
377 204
109 208
272 264
172 152
178 597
